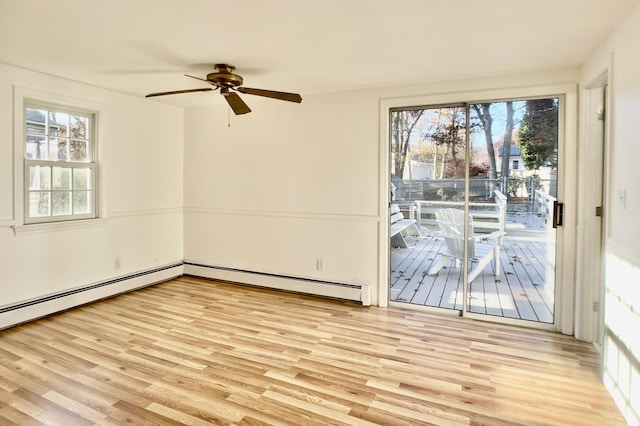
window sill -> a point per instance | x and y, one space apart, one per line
38 228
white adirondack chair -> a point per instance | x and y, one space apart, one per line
451 222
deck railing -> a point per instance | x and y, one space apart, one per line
543 207
489 216
519 190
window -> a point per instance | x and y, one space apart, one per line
59 164
516 165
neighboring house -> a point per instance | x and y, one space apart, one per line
418 170
36 123
515 159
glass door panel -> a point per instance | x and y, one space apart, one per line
514 149
428 158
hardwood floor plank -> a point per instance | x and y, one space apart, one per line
84 411
180 417
45 410
194 351
12 416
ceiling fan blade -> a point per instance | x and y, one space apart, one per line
198 78
284 96
176 92
236 103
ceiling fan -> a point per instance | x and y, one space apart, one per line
230 83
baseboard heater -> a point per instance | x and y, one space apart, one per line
355 292
22 312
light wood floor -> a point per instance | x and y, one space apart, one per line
196 352
523 289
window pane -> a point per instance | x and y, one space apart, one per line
79 127
58 124
39 177
61 178
36 120
61 203
59 148
82 202
39 204
78 150
82 178
36 148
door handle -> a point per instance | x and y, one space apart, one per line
558 214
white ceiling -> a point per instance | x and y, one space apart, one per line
304 46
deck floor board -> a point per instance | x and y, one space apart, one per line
520 290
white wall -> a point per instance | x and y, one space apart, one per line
620 57
141 160
288 183
285 186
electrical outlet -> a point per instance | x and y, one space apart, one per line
116 263
320 264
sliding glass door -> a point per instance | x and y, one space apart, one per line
479 180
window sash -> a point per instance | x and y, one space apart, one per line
57 199
63 189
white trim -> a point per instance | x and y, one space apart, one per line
281 214
38 228
590 229
25 311
357 292
564 312
145 212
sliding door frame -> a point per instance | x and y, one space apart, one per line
567 156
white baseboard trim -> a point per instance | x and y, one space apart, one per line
22 312
356 292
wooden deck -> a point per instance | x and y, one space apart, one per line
524 288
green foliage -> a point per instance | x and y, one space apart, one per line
534 183
538 134
514 183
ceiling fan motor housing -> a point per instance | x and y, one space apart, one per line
225 76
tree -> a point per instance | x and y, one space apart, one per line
402 125
508 137
449 132
538 134
486 121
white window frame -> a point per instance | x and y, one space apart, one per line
28 97
53 163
